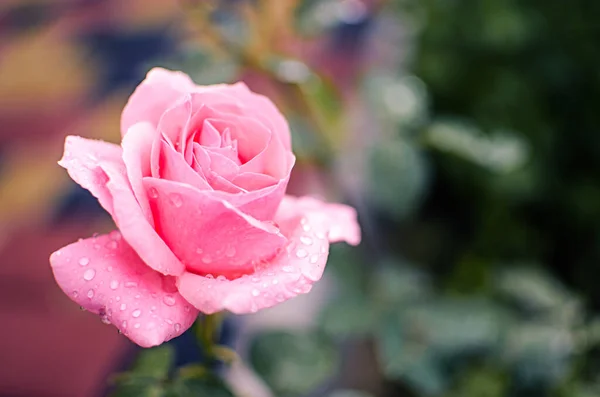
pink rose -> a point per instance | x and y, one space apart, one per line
197 191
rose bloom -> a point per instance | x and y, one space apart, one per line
197 192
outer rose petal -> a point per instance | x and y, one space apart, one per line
208 235
306 222
106 277
105 176
153 96
82 159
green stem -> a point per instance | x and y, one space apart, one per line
207 333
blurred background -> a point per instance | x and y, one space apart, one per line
465 133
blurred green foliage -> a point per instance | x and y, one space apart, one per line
478 273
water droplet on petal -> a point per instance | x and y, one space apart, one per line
75 294
90 294
206 259
221 278
177 327
306 227
112 245
306 240
314 258
169 300
123 306
255 279
255 292
136 313
124 324
169 321
131 284
288 269
176 199
279 298
253 307
105 319
118 298
152 192
136 325
187 309
84 261
58 253
230 251
199 251
114 284
89 274
275 281
301 253
209 276
137 296
320 235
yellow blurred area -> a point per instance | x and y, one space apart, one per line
41 68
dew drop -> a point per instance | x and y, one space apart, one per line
169 321
221 278
314 258
131 284
90 294
199 251
255 279
230 252
279 298
206 259
169 300
177 327
255 292
112 245
306 240
137 296
187 309
288 269
176 199
124 324
136 325
306 227
152 192
123 306
58 253
114 284
136 313
153 308
275 281
118 298
105 319
84 261
75 294
209 276
301 253
320 235
89 274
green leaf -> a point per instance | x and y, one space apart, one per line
409 361
398 176
138 387
349 393
155 362
481 382
344 317
293 364
208 386
395 283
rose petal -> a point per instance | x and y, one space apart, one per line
137 146
106 277
96 167
82 159
306 223
208 235
173 167
263 109
153 96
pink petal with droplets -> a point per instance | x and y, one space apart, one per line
83 159
106 178
106 277
208 235
306 222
